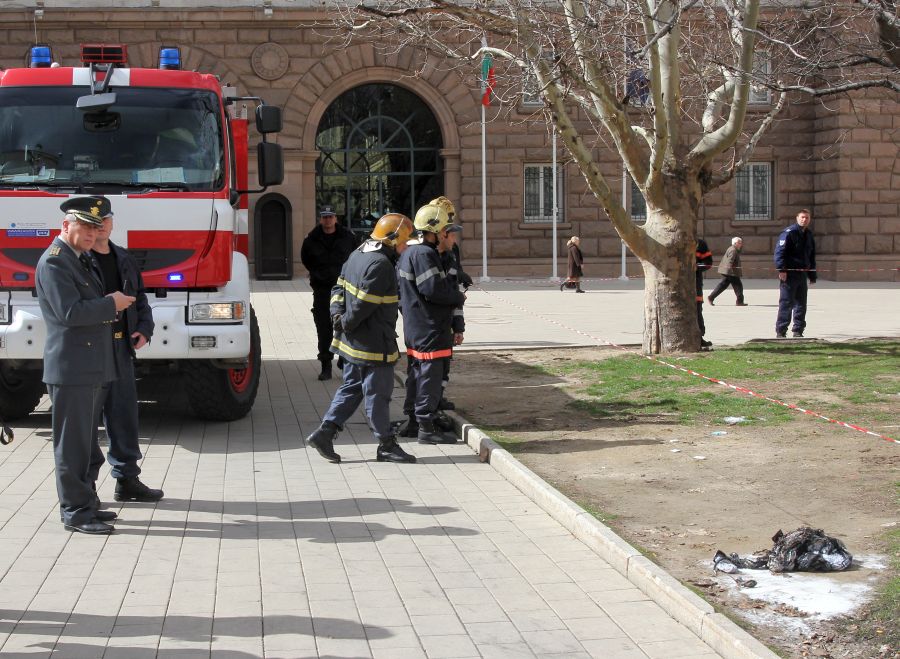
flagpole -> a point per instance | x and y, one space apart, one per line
484 248
555 206
624 272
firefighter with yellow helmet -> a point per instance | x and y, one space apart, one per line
364 315
428 299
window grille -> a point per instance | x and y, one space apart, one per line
753 192
539 193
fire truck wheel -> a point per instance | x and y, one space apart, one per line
20 393
218 394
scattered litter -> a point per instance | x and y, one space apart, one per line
673 441
802 550
699 457
676 450
732 420
889 525
718 433
746 583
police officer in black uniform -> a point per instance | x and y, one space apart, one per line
78 358
323 252
364 318
795 260
131 331
704 263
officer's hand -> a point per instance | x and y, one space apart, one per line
457 338
122 301
336 323
138 340
782 276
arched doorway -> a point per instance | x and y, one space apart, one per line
379 148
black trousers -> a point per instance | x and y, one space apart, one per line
120 415
76 451
725 282
322 317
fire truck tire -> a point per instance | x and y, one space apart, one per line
218 394
20 393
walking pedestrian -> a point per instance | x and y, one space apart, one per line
364 320
323 252
78 358
576 260
132 330
795 260
730 269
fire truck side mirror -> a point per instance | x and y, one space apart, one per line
270 164
268 119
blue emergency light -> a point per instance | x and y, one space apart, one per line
170 58
175 276
41 57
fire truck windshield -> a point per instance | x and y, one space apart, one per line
151 138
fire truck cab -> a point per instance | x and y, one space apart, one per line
169 148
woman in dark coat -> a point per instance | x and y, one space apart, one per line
573 280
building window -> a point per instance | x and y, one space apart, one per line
753 192
530 94
762 69
539 193
638 204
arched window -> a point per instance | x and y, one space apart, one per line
379 147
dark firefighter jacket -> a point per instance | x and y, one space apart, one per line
365 297
796 250
427 300
704 263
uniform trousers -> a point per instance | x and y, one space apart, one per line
76 450
792 301
424 386
120 415
322 317
373 383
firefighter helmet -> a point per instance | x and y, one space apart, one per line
432 217
393 229
447 205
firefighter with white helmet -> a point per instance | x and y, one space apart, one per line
428 299
364 316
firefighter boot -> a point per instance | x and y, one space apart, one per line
428 434
389 451
326 370
322 439
412 427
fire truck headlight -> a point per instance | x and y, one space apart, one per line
217 312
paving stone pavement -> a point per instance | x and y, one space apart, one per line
261 548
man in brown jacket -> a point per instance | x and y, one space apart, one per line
730 269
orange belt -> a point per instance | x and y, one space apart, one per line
427 356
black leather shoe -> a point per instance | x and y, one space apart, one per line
410 427
99 515
797 335
428 434
444 404
132 489
780 335
705 344
322 439
390 451
93 527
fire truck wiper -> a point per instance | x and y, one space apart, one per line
142 187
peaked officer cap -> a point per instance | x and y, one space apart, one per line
91 210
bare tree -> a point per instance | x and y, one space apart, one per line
682 128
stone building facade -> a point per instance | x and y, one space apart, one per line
839 159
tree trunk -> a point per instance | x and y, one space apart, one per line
670 307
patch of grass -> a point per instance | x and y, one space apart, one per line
879 624
861 376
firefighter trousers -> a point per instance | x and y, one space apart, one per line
373 383
424 386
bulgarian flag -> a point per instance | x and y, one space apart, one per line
487 76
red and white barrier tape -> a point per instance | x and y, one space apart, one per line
689 371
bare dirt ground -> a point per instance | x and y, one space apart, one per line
681 493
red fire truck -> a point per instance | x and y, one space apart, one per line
168 147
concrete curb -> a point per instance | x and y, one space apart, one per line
685 606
